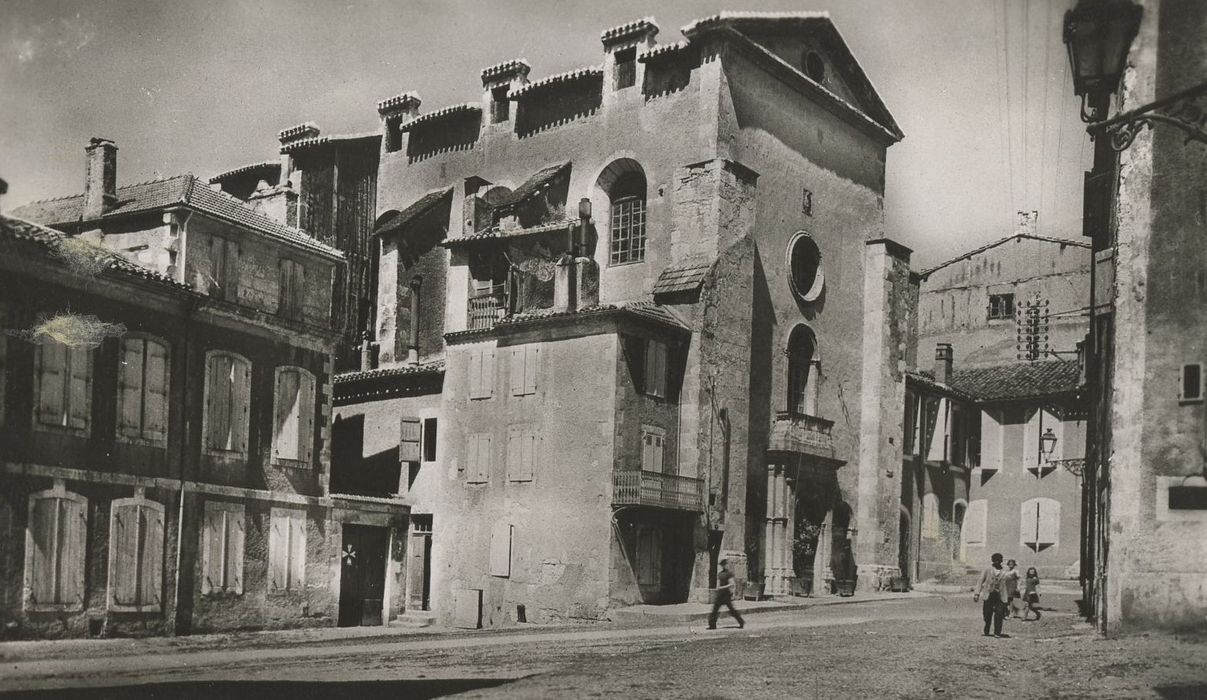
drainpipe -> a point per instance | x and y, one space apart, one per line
413 349
183 454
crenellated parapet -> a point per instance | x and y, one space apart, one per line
644 29
295 133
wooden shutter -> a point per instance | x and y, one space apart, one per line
213 545
240 412
647 452
44 534
288 407
488 373
306 419
937 448
297 551
500 550
1048 527
974 522
1029 522
130 388
285 282
231 272
234 549
218 402
531 362
517 371
485 456
471 458
515 453
124 541
51 360
655 368
218 267
475 374
278 550
151 568
527 455
297 288
79 395
156 383
408 439
74 528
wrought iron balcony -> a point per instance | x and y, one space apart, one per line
801 433
642 488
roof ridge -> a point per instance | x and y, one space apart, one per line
996 243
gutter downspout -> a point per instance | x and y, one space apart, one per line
184 438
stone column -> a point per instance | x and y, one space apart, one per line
822 574
778 535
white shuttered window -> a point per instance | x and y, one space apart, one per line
64 386
136 535
521 453
481 373
293 423
227 403
142 397
222 548
975 519
55 547
478 458
653 447
524 362
1039 523
287 550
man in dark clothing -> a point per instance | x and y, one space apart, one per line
724 596
992 587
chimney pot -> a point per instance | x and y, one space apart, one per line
943 362
100 177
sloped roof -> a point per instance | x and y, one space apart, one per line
180 190
495 233
684 276
19 234
1019 380
400 371
1000 241
646 310
394 220
268 167
533 185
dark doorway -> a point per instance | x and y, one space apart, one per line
419 568
362 581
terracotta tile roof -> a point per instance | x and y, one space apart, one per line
495 233
1020 380
436 367
19 234
392 220
684 276
646 310
548 81
643 26
506 69
180 190
466 108
532 186
271 167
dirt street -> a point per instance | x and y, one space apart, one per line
916 648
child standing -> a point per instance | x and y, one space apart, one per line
1011 578
1031 593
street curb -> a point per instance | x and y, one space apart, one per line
648 617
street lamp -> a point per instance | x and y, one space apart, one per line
1098 34
1047 444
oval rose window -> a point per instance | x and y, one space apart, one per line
804 266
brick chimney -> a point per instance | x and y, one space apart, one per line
943 357
100 177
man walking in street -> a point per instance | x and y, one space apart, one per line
992 587
724 596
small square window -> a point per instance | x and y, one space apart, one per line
626 68
500 104
1192 382
1001 306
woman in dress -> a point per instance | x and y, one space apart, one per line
1031 593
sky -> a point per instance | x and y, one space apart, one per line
980 88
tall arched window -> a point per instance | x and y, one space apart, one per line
626 218
803 374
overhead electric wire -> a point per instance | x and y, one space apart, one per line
1043 155
1009 111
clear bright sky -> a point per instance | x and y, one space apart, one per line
204 86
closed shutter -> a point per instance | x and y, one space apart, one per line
471 458
306 419
213 548
1047 527
73 529
297 551
532 357
285 296
130 388
409 434
297 289
655 368
240 411
475 374
974 522
937 448
485 456
513 453
124 539
488 373
151 570
51 360
287 397
231 272
500 550
278 551
517 372
156 382
80 391
521 453
218 389
218 267
234 550
44 533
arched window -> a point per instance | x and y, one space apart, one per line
803 371
227 404
626 218
136 539
293 422
54 555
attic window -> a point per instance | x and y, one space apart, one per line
500 105
813 66
626 68
1192 383
1001 306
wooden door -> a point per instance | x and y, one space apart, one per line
362 575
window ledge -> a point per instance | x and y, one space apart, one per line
142 442
225 455
60 430
114 607
220 595
291 463
54 607
629 262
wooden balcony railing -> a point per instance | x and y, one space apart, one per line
642 488
799 432
486 309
